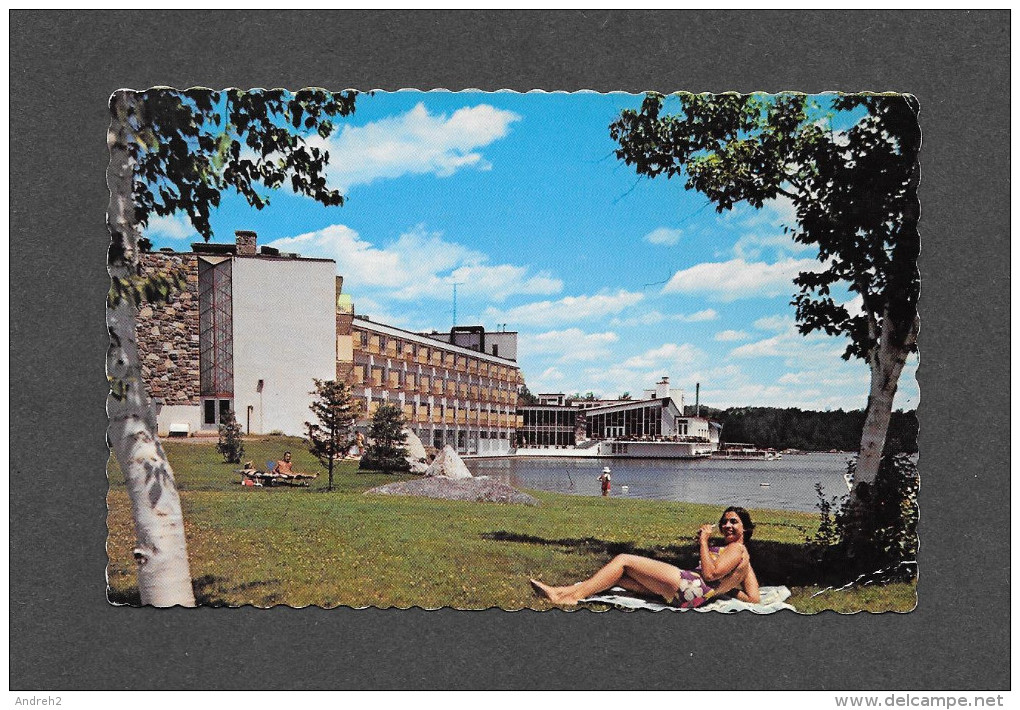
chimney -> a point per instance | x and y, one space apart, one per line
697 399
245 242
662 388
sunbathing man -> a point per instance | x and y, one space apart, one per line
285 469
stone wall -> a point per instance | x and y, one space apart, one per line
168 335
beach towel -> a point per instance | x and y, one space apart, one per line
772 600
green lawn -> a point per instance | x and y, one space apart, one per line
302 546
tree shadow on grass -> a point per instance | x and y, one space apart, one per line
203 588
774 563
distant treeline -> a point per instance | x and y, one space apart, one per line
773 428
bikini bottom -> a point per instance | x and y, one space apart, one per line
694 590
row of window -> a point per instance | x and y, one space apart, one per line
365 373
440 408
383 344
640 421
462 440
549 417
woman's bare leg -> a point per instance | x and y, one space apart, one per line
654 576
633 585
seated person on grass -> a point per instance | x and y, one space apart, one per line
285 469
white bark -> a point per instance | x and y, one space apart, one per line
886 362
164 577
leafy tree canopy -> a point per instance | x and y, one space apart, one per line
189 147
525 397
849 167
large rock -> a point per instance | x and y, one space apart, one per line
417 458
448 465
470 489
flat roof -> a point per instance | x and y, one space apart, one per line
426 340
233 254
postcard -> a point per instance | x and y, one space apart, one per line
501 350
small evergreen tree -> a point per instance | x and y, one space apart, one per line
335 409
230 444
387 451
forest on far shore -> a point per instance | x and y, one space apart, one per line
773 428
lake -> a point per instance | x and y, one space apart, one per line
791 479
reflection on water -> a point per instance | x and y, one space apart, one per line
791 480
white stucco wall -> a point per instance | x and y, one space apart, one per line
190 414
284 335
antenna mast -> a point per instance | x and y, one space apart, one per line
455 285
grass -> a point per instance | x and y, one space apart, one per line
303 546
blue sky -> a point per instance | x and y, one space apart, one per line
612 280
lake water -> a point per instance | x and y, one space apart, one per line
791 479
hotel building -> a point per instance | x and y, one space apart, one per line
248 333
653 426
253 328
457 388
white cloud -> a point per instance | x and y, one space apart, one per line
764 231
667 355
730 280
175 226
419 264
728 336
829 377
664 235
753 245
551 374
855 306
775 323
655 317
570 345
370 307
707 314
642 371
777 213
416 142
831 386
788 343
566 310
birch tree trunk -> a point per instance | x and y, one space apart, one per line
164 577
886 363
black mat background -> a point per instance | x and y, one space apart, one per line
63 66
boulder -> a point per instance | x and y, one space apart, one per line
448 465
415 449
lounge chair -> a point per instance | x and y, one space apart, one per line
273 477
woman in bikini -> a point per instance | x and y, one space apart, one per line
722 570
